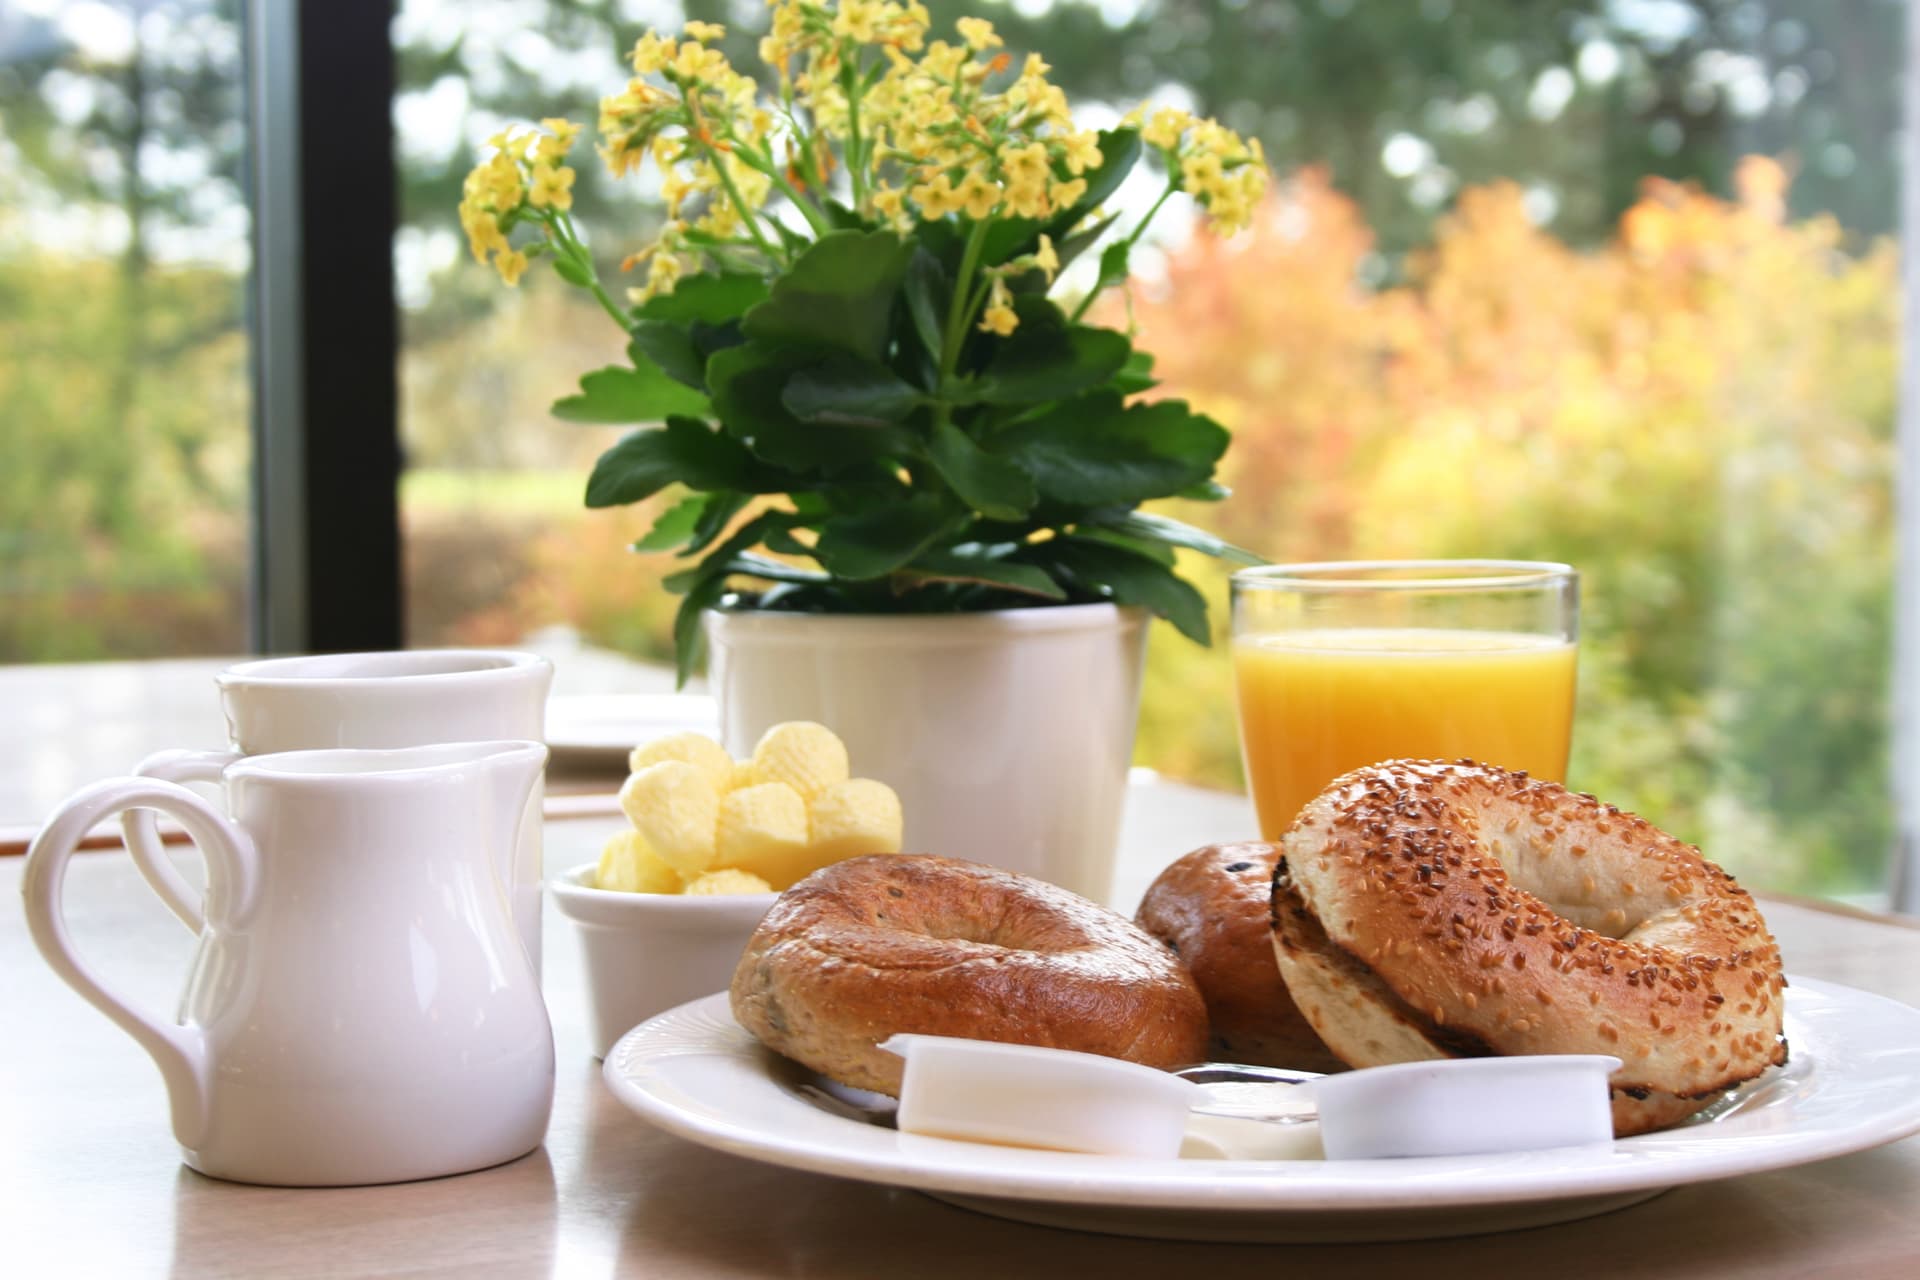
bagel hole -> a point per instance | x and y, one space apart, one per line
1581 890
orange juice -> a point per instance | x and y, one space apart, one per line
1314 704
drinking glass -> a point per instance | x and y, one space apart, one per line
1341 665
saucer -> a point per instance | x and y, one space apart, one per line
1853 1082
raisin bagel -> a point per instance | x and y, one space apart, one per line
1424 909
1211 907
901 943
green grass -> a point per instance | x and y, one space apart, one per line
535 493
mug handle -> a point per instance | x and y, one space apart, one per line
232 871
142 833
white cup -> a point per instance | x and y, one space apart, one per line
372 701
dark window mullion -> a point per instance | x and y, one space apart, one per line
326 421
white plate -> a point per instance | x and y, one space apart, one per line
604 728
1853 1083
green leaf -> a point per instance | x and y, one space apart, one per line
722 506
747 536
710 299
839 294
669 347
1136 375
1047 358
674 525
852 393
1114 264
1158 552
775 570
928 296
1177 533
748 384
1092 452
995 487
1082 240
686 451
1205 491
641 394
689 637
948 566
874 542
1129 578
571 271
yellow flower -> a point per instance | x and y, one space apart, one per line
703 31
1026 164
483 232
858 20
943 61
1000 320
1083 152
1200 174
890 203
1046 259
697 64
1166 127
663 274
511 264
937 198
1067 194
564 132
979 194
1028 199
552 188
652 53
978 33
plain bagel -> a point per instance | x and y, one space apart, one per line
1211 908
897 943
1424 909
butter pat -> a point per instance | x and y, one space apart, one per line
629 865
676 806
696 749
806 756
727 880
763 829
854 817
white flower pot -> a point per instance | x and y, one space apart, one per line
1008 735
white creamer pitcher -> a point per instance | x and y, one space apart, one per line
360 1008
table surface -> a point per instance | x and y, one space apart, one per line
90 1182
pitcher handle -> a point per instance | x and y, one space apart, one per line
179 1051
142 832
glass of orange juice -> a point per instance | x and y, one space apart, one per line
1341 665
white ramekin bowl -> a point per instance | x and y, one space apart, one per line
647 952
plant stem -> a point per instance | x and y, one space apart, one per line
1100 286
958 310
763 161
856 159
747 216
570 244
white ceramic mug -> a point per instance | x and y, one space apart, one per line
405 698
360 1008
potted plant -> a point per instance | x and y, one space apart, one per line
912 478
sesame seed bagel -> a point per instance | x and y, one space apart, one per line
1211 908
904 943
1427 910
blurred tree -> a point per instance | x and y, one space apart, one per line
122 369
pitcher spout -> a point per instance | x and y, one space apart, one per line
512 772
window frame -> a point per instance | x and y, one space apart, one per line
326 560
